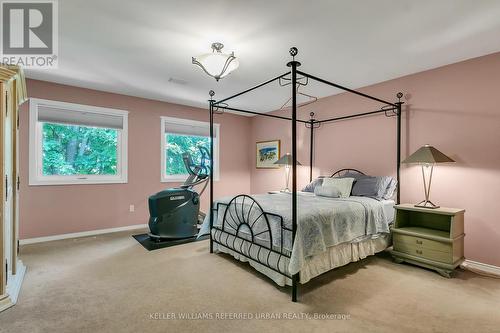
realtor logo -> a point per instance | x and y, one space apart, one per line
29 33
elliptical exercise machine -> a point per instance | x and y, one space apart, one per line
175 212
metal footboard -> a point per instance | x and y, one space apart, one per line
245 220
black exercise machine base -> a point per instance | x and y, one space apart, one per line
153 244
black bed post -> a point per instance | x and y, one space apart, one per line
211 108
294 64
398 105
311 147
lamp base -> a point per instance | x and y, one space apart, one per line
426 204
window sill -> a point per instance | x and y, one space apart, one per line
77 182
180 180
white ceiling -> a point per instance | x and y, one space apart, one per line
135 47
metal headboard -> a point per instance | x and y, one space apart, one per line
341 172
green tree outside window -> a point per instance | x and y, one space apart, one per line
79 150
177 144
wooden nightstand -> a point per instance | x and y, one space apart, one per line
431 238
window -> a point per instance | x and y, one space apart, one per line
76 144
183 135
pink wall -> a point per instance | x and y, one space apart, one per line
455 108
53 210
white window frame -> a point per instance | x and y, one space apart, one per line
181 178
36 176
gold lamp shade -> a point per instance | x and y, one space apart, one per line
286 161
427 156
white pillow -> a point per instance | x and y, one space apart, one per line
327 191
343 185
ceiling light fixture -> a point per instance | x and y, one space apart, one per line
217 64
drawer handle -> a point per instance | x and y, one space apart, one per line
419 242
419 251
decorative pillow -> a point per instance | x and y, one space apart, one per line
312 185
369 186
343 185
327 191
389 192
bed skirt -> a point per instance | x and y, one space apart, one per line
333 257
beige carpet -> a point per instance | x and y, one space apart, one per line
111 283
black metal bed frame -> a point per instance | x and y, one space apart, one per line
233 227
248 238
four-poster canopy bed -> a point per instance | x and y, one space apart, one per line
253 229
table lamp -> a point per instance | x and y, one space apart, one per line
427 156
286 161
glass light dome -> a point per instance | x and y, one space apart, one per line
217 64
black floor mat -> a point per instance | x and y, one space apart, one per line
151 245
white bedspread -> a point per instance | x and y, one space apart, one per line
321 222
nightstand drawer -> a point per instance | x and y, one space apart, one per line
426 253
418 242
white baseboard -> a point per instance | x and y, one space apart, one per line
480 268
14 284
80 234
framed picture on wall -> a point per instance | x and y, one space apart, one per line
267 152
